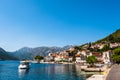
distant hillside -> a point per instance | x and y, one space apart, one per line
29 53
5 56
114 37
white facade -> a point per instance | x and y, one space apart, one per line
78 59
57 59
48 58
106 57
83 53
70 59
114 45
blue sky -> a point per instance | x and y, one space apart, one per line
35 23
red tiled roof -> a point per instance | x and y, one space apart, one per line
77 55
97 54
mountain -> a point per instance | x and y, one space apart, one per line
5 56
29 53
114 37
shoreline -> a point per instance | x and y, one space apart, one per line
51 62
102 76
107 72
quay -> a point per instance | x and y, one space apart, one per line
96 77
114 73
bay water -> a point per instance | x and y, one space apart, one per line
9 71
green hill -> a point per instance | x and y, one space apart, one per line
114 37
5 56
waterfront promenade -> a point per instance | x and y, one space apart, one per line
97 77
114 73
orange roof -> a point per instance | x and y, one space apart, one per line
97 54
77 55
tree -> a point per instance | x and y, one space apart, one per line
89 45
91 60
111 38
78 47
116 55
38 57
73 54
106 47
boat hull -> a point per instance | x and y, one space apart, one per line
24 65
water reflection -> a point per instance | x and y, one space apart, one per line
22 72
9 71
59 72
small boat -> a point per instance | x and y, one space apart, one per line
24 65
22 72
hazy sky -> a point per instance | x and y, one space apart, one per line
35 23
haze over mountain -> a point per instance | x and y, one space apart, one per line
29 53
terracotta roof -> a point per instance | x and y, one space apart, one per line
77 55
97 54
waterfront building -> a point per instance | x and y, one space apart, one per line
106 57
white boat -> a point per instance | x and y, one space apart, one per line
24 65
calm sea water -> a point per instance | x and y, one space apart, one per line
9 71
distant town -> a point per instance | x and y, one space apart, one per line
92 57
79 54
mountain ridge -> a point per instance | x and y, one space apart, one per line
29 53
5 55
